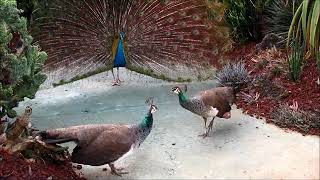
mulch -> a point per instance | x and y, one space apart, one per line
15 167
306 92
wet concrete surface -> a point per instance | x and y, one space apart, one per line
242 147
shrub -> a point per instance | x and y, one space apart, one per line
277 18
20 62
244 16
307 20
233 75
295 61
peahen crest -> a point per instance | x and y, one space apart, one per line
161 37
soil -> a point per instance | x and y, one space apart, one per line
276 88
15 167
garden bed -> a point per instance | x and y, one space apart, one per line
15 167
269 89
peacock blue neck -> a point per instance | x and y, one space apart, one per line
182 97
147 122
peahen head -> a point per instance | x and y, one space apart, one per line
152 108
177 90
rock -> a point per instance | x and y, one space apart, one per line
79 167
104 169
173 144
269 41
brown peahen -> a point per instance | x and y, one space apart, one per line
155 37
211 103
99 144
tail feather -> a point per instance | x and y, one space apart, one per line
57 136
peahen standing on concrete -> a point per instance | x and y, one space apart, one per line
99 144
211 103
155 37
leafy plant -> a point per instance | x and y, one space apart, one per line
318 62
277 18
295 61
243 16
276 71
233 74
20 62
306 19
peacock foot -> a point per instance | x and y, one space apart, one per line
115 83
117 171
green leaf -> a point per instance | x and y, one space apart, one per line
314 27
296 17
304 16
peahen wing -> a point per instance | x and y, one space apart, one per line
162 37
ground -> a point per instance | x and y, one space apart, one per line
242 147
15 167
271 64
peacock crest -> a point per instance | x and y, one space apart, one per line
160 36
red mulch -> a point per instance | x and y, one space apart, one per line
306 92
13 167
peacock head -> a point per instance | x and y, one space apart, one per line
178 90
122 35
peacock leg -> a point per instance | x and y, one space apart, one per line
116 171
209 129
119 81
115 82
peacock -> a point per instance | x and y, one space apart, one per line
160 38
99 144
211 103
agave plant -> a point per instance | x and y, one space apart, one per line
306 18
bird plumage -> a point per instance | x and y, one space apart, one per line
159 35
99 144
211 103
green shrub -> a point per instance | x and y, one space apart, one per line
277 18
20 62
307 20
276 71
295 61
318 62
244 16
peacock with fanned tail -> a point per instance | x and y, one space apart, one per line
162 38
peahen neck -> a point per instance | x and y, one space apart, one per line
144 128
182 97
147 122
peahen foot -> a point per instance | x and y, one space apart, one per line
117 171
206 134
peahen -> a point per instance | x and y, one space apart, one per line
101 144
211 103
163 38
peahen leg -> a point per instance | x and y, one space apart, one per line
116 171
205 122
209 129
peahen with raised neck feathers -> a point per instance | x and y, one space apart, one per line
154 37
99 144
211 103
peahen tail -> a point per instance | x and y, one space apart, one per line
56 136
162 37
